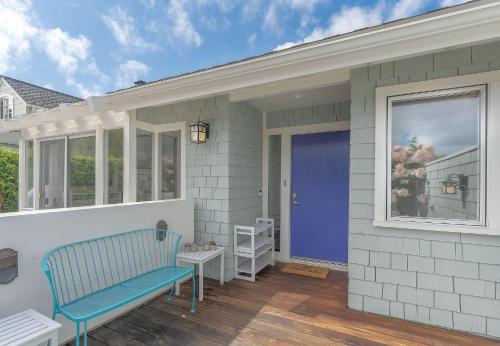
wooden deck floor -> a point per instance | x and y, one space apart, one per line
278 309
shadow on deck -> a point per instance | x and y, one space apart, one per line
278 309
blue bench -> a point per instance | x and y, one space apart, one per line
92 277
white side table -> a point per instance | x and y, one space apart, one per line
200 258
28 328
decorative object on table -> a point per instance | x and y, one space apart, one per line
161 227
199 246
206 247
28 328
8 265
200 258
253 248
188 247
306 270
213 245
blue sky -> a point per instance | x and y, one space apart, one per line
90 47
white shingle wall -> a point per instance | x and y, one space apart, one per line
445 279
224 175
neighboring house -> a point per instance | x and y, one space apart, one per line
18 98
340 140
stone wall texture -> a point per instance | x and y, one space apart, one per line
223 176
445 279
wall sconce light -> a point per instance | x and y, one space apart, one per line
199 132
453 182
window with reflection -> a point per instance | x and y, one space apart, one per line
170 165
29 178
113 141
52 173
436 155
81 171
144 166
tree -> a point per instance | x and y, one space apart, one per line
9 168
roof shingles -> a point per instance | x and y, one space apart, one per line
38 96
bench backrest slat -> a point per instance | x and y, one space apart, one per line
80 269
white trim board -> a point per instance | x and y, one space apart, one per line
286 172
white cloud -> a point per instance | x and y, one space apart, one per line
349 19
66 51
252 39
16 32
250 9
406 8
85 91
279 10
447 3
182 28
122 27
129 72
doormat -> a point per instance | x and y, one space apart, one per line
306 270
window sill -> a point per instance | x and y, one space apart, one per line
436 227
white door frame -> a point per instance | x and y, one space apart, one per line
286 173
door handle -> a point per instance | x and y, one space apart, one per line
294 199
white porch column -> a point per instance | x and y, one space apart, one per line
129 157
37 173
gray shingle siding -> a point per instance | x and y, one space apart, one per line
224 175
451 279
317 114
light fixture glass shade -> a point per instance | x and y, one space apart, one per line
199 132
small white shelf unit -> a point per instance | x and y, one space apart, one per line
253 248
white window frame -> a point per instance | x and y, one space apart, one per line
156 130
10 106
489 83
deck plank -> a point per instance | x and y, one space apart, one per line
278 309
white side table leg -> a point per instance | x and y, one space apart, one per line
200 282
221 275
177 288
53 339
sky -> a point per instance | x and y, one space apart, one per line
90 47
429 121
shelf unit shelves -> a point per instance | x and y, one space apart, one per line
253 248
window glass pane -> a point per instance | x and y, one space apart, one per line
29 193
144 166
274 186
170 165
81 171
114 166
52 174
435 157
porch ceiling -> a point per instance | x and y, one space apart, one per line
303 98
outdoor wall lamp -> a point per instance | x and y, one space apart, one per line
453 182
199 132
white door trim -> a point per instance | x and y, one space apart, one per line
286 173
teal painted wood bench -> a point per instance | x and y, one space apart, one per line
95 276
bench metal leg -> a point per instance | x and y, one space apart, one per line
193 304
77 334
85 333
174 288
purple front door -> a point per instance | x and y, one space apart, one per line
320 196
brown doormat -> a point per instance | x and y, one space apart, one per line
306 270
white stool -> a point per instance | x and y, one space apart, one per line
200 258
28 328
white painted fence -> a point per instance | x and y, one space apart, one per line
34 234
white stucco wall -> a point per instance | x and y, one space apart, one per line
34 234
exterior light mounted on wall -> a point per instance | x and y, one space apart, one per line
453 182
199 132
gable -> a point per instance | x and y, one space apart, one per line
19 104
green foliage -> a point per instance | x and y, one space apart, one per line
9 163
